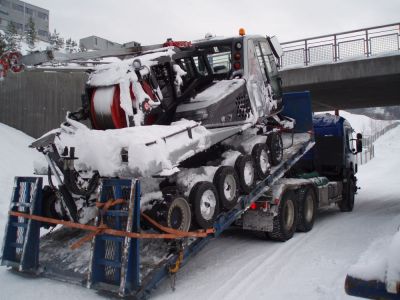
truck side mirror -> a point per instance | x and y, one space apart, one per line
359 142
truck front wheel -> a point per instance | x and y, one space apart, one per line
349 190
284 224
307 210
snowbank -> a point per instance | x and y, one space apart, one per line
16 159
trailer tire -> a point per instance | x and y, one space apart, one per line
227 183
349 190
204 199
284 224
261 159
307 209
275 146
244 167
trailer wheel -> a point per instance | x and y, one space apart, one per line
227 183
307 210
284 224
244 167
204 200
349 190
261 159
275 146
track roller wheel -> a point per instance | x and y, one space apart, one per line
284 224
227 183
244 167
307 210
179 215
275 146
204 199
174 212
261 160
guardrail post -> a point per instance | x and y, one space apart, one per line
335 56
367 43
305 53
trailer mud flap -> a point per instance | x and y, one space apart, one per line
258 220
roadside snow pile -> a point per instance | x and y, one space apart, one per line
16 159
380 262
151 149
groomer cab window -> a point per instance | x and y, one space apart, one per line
268 67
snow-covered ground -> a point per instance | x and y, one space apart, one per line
239 265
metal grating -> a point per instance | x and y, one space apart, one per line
352 48
293 57
110 254
386 43
321 53
243 107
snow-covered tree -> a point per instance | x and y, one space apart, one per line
12 38
56 41
3 43
31 34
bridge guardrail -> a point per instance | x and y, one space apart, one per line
340 46
368 152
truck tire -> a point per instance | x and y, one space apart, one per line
227 183
349 190
244 167
307 210
284 224
275 146
204 199
261 160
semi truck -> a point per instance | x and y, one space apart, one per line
153 190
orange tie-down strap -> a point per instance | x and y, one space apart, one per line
103 229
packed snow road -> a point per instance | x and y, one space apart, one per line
239 265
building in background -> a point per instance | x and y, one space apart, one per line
97 43
94 42
19 13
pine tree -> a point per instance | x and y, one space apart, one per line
68 46
12 38
56 41
31 34
3 44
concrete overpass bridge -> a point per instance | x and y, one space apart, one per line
353 69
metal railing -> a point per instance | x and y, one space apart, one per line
368 152
336 47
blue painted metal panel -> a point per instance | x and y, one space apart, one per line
372 289
21 239
297 105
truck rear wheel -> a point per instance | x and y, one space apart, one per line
227 183
349 190
275 146
261 160
244 167
307 210
284 224
204 199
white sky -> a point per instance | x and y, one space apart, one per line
152 21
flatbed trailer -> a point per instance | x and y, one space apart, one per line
124 266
